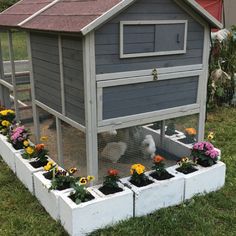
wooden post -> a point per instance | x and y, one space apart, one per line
59 143
13 75
90 105
163 131
203 85
34 107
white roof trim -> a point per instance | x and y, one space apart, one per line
205 14
125 3
106 16
38 12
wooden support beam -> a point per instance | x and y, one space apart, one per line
90 105
34 107
163 131
59 143
13 75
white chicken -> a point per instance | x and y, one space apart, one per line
114 151
148 147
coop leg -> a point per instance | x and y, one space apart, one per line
59 143
163 125
6 97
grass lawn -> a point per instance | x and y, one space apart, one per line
19 45
214 214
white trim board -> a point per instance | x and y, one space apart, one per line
154 53
147 118
149 78
125 3
60 116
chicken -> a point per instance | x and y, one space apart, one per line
148 147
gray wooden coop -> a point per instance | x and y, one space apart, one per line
100 65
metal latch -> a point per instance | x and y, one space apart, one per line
155 74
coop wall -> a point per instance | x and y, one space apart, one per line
107 38
47 74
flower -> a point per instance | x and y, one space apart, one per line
190 131
72 170
49 166
6 123
90 178
39 147
210 136
29 150
138 168
44 139
83 181
113 172
26 143
158 159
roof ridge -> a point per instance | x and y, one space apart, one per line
38 12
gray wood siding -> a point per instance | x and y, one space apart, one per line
73 78
45 59
131 99
107 39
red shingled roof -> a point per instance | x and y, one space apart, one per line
21 11
71 15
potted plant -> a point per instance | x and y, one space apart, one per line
138 177
205 154
80 193
17 136
190 136
186 166
6 119
110 183
41 156
83 203
160 172
48 191
170 130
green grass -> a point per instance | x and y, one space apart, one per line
19 46
213 214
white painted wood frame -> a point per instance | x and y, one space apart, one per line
1 75
13 75
32 86
59 143
154 53
90 104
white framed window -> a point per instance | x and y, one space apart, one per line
153 38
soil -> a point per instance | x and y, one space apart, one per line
186 140
65 186
164 176
106 190
170 133
88 196
48 175
38 164
18 146
186 171
204 163
142 184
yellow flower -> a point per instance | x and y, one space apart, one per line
30 150
139 171
48 166
6 123
83 181
72 170
11 111
4 112
44 139
210 136
26 143
90 178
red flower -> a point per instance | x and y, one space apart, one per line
39 147
158 159
113 172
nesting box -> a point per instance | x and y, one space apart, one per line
109 64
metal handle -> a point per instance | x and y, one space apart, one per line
155 74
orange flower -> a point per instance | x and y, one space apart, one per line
113 172
158 159
191 131
39 147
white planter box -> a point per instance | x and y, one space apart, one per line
205 180
97 213
48 198
8 152
24 171
158 195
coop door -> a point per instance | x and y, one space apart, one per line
127 99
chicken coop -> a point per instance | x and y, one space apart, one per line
110 68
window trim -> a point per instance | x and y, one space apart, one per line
152 22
